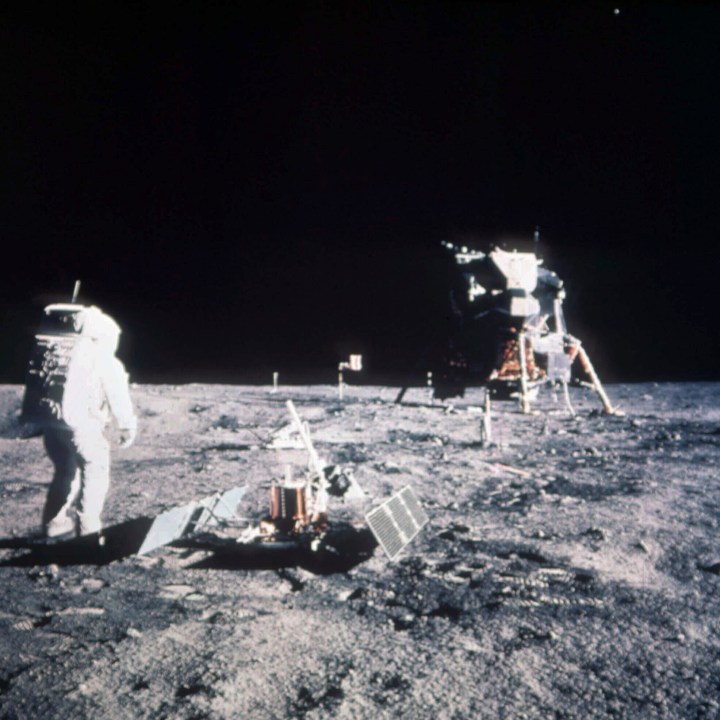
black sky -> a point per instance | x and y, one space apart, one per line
267 187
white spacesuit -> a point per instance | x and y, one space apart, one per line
96 386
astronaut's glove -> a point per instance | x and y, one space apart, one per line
127 437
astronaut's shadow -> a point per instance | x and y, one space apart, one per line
13 429
115 542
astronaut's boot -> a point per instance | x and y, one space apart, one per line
88 523
63 525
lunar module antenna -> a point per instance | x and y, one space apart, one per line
76 292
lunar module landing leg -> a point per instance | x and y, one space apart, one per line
524 394
521 373
576 350
518 374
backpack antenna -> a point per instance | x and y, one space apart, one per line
76 292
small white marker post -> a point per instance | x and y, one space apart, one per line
486 425
353 363
524 398
429 383
275 382
566 396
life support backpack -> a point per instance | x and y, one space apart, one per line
49 362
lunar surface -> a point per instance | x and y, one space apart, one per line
569 570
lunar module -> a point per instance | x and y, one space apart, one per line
508 329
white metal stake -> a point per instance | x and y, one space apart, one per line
590 370
524 402
486 427
566 395
275 382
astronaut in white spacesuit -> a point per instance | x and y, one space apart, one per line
95 387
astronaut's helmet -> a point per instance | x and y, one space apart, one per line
101 328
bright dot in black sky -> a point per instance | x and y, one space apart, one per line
616 11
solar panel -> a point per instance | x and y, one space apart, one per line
413 505
216 508
176 522
166 527
397 521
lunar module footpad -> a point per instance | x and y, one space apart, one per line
397 521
